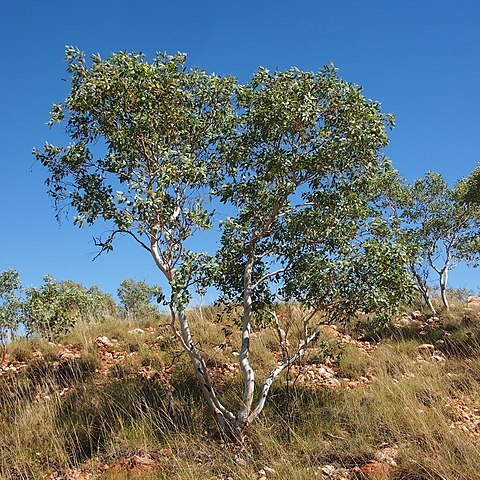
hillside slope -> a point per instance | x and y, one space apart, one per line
118 400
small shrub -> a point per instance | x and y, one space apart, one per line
136 297
10 305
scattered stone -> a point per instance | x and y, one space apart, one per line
375 470
466 413
426 347
269 470
240 461
388 455
69 474
315 375
329 470
438 357
331 330
136 330
103 342
473 302
403 322
135 464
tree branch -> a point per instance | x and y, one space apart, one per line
266 276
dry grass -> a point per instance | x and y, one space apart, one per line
60 413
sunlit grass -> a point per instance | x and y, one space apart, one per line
60 413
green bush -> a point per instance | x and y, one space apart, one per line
57 306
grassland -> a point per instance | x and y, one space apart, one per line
118 400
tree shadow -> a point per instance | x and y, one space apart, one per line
90 417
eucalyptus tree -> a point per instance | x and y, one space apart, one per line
143 154
442 229
136 296
10 305
303 171
151 140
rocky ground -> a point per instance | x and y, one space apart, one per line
113 352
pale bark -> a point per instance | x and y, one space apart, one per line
222 414
245 367
443 273
428 300
424 290
443 288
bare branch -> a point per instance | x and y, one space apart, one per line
267 276
276 372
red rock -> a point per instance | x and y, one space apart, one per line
473 302
375 470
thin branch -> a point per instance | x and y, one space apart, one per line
281 337
276 372
267 276
106 244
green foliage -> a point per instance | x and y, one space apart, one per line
369 275
136 296
469 187
56 306
306 178
10 303
440 229
160 124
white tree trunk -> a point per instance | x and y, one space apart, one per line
222 415
428 300
245 367
424 290
443 288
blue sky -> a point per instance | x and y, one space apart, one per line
419 59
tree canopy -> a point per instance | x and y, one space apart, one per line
294 156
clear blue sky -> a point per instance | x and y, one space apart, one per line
420 59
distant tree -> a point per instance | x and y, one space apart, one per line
10 305
56 306
136 296
442 231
